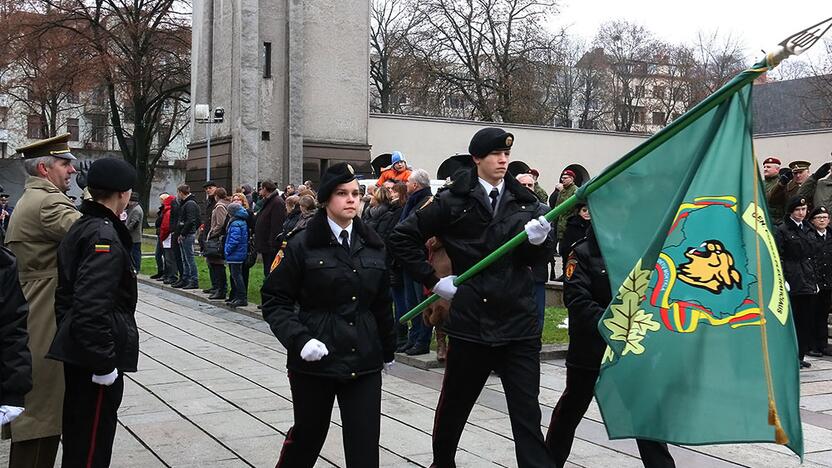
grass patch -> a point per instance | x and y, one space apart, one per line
255 278
551 333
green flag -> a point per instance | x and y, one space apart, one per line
694 271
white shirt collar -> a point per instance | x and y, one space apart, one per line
336 230
488 187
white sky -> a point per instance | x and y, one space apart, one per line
760 24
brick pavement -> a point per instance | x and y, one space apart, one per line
212 391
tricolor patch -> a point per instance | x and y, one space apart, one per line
102 248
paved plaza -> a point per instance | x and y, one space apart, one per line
212 391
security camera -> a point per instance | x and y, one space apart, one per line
219 112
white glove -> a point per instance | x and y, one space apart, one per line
445 287
9 413
106 380
388 366
537 230
313 350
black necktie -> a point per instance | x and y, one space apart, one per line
493 195
345 240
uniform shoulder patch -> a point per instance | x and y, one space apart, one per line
571 263
102 248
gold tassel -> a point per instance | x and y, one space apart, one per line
773 420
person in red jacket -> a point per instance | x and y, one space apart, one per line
165 239
398 170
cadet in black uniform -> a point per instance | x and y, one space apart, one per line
493 322
15 358
341 335
95 303
586 293
795 246
822 261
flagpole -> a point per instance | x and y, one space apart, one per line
793 45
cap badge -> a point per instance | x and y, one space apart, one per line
509 140
349 167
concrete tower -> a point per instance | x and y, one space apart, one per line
292 79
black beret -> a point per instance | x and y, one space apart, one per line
334 176
111 174
818 211
490 139
795 202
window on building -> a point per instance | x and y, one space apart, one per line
72 128
455 102
163 135
72 97
34 129
658 92
658 118
265 136
98 127
98 97
639 91
4 148
638 116
267 60
4 116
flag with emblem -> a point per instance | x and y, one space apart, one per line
701 340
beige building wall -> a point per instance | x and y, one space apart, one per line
813 146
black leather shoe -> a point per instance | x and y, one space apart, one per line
404 347
238 303
191 286
217 295
179 284
156 276
417 350
805 365
815 353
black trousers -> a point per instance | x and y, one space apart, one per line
571 407
268 258
467 367
803 310
89 419
216 271
820 324
312 398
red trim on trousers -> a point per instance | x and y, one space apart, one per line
95 425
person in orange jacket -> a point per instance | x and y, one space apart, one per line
398 170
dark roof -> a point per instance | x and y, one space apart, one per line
792 105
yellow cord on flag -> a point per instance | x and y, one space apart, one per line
773 419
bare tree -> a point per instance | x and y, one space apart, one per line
629 49
477 47
593 95
676 66
391 61
46 71
718 59
144 49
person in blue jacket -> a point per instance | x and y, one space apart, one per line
236 251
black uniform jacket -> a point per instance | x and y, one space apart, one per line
15 359
822 258
95 302
496 306
795 248
320 291
586 294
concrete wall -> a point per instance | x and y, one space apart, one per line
813 146
426 142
